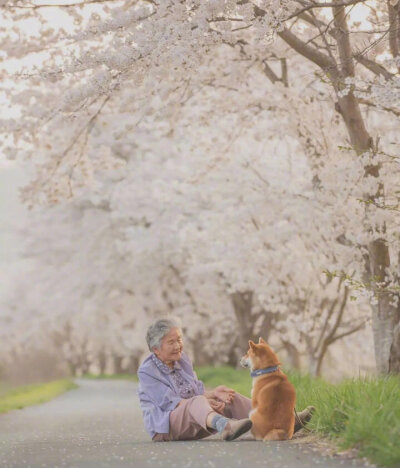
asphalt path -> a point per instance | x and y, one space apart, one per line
100 425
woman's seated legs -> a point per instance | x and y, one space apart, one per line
188 420
191 419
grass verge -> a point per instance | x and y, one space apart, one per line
358 413
27 395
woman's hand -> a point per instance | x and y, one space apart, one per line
224 394
216 405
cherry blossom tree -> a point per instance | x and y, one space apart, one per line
141 88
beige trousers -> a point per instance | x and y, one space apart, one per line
188 420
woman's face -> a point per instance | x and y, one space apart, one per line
171 346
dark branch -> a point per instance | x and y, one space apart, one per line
312 54
374 67
324 5
347 333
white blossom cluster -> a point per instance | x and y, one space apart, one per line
179 176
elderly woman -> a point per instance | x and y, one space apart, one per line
174 403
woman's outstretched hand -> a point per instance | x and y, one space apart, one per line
224 394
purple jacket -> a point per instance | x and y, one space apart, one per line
159 395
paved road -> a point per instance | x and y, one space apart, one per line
100 425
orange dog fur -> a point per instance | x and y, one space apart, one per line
273 396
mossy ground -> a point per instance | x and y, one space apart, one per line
27 395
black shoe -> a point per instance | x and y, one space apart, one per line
302 418
235 428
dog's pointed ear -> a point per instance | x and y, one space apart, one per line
261 341
252 345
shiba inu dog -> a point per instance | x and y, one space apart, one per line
272 397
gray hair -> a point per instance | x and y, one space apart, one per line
157 331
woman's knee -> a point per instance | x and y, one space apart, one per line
191 420
199 400
239 398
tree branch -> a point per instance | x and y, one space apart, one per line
312 54
324 5
273 77
393 25
342 37
331 310
339 317
347 333
374 67
394 34
87 127
372 104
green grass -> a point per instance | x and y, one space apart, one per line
360 413
27 395
238 379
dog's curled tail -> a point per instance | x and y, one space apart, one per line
276 434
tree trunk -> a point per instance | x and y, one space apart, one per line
102 363
266 325
118 365
386 318
313 365
232 357
133 365
72 367
319 360
242 304
349 109
394 355
386 315
201 358
293 355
